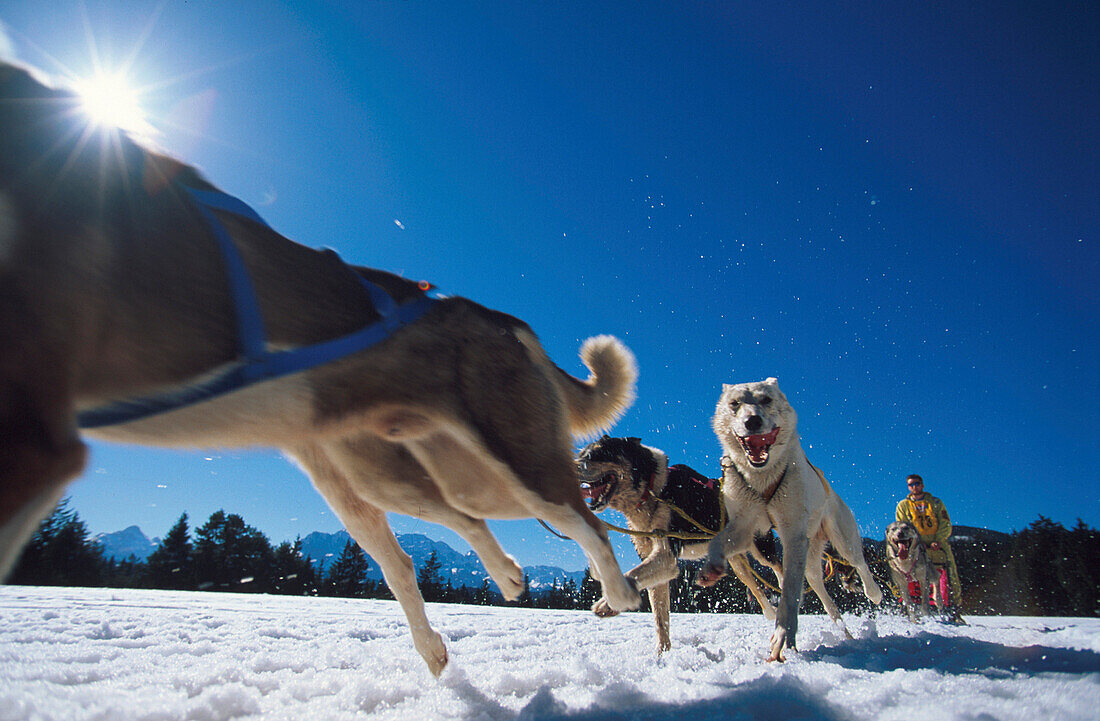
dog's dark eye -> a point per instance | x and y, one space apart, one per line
766 401
735 404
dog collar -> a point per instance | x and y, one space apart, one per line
256 363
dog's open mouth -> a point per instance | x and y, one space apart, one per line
758 447
903 549
596 493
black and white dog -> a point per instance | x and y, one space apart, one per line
637 481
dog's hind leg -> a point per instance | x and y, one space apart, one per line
590 533
502 568
817 583
367 524
843 532
480 483
661 602
387 476
740 566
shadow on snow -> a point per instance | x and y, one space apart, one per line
955 656
763 699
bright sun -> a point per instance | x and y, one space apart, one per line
110 101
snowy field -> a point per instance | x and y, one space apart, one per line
121 655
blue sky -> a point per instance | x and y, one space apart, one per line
893 208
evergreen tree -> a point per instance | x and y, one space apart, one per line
485 595
171 564
429 579
1077 572
557 596
525 599
569 591
590 590
294 573
464 595
348 575
230 555
60 553
127 573
1039 551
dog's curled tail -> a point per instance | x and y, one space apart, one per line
595 404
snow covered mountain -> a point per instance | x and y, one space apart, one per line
460 569
324 548
130 541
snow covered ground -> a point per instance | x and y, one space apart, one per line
121 655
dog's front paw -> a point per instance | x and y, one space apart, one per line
621 594
709 575
603 609
778 641
434 652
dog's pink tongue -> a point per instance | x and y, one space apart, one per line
903 551
760 443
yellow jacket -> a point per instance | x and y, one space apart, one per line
928 515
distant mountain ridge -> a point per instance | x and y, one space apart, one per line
460 569
130 541
466 569
324 548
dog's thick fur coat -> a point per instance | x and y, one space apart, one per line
769 483
637 481
111 286
908 560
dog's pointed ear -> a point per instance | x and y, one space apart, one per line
772 381
727 387
634 441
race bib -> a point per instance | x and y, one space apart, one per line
924 518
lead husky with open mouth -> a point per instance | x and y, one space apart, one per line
768 482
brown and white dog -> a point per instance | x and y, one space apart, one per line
637 481
769 483
112 286
908 561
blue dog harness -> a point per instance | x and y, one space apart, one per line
256 363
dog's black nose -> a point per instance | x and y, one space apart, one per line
754 423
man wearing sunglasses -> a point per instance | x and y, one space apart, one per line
929 516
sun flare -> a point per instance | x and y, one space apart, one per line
110 101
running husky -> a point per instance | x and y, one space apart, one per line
678 506
908 560
123 274
768 482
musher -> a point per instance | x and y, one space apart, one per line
929 516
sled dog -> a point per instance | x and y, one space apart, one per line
113 285
769 483
908 561
637 481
